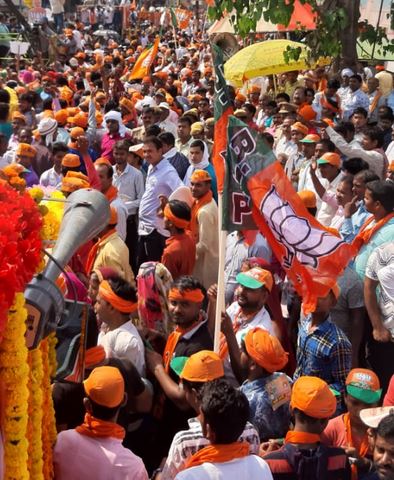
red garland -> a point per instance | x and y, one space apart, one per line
20 245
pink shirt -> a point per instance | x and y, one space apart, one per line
80 457
107 145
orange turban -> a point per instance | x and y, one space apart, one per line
203 366
312 396
177 222
200 176
127 104
105 386
265 350
25 150
61 116
308 198
119 303
80 120
71 160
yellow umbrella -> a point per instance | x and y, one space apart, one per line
265 58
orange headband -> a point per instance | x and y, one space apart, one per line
106 292
195 296
178 222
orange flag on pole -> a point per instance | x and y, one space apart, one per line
145 61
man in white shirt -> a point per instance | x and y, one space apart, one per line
162 180
182 143
115 303
224 413
53 176
354 97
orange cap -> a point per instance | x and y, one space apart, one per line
61 116
330 158
127 104
25 150
105 386
79 175
161 75
300 127
312 396
240 97
113 219
71 160
364 385
76 132
200 176
203 366
18 116
71 184
265 349
308 198
103 161
80 120
311 138
256 278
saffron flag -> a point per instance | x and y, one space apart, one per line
144 61
180 18
222 109
312 257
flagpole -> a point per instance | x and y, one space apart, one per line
220 303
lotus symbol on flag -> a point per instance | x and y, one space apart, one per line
301 240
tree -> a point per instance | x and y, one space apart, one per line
337 24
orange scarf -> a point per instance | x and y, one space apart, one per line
172 342
365 235
111 193
93 251
195 208
375 101
218 454
301 437
364 446
96 428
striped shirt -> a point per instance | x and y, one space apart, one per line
323 463
188 442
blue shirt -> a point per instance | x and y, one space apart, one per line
385 234
269 423
351 226
323 352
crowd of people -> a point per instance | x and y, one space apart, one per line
288 395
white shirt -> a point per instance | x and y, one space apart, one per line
326 212
50 178
162 179
251 467
124 343
168 126
130 185
352 100
121 210
288 147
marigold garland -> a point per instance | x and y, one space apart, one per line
14 373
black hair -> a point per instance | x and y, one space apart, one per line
386 427
123 289
59 147
375 134
187 282
347 179
199 144
344 127
386 111
312 211
268 138
27 97
357 77
186 119
367 175
284 96
47 104
225 409
272 103
197 386
154 141
148 110
121 145
382 192
167 138
63 103
4 111
5 96
103 413
250 108
360 111
301 88
180 209
153 131
108 168
304 418
333 83
61 82
329 145
355 165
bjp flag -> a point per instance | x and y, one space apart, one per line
312 257
144 62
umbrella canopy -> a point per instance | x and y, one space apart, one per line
302 16
264 58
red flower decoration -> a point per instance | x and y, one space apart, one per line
20 245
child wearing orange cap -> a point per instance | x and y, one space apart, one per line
302 456
25 155
267 390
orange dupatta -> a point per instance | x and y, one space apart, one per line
111 193
204 200
375 102
218 454
93 251
364 446
365 235
96 428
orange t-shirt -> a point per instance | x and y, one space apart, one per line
179 255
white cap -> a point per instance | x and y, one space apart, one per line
373 416
347 72
164 105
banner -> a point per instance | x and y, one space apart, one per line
144 61
180 18
312 257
